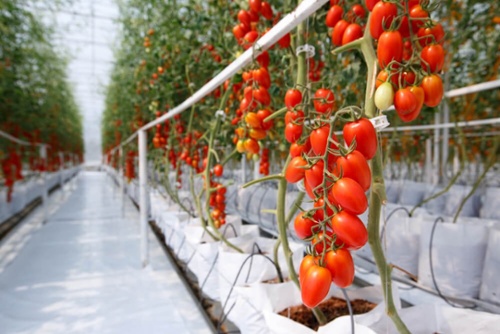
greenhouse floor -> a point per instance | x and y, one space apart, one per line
81 271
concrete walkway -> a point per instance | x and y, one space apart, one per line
81 272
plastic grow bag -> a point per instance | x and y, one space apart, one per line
490 204
455 196
490 289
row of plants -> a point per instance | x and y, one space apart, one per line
36 100
367 56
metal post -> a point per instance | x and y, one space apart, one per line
446 135
243 169
121 178
429 177
435 159
256 169
61 170
45 190
143 201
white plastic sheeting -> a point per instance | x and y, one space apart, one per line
490 289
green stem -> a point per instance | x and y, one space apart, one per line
295 207
275 258
263 179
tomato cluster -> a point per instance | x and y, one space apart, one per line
11 168
264 162
130 166
217 199
161 133
335 176
411 55
347 26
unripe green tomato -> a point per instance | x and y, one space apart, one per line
282 147
255 157
384 96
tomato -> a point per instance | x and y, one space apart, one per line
261 76
382 15
315 175
253 120
384 96
354 166
244 17
263 59
257 134
352 33
315 285
338 32
419 95
296 117
433 90
370 4
240 30
404 27
293 132
218 170
429 35
432 58
319 214
252 146
285 41
255 5
408 78
307 262
322 242
350 230
262 96
319 139
404 101
418 16
309 191
266 10
295 170
304 226
356 11
350 196
292 98
324 100
407 50
216 213
390 47
365 134
251 36
341 267
263 114
333 16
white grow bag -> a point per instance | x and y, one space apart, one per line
490 287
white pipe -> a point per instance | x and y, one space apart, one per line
45 190
445 125
473 89
121 179
143 201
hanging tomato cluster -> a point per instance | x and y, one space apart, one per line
264 162
411 56
161 134
218 198
130 165
11 168
347 25
335 176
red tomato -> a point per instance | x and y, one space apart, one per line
408 78
321 242
350 196
319 139
263 59
315 285
352 33
285 41
240 30
429 35
263 114
338 32
433 90
432 58
266 10
319 214
356 11
382 13
309 191
295 170
354 166
324 100
218 170
350 230
293 132
307 262
418 16
370 4
315 175
262 96
253 120
389 48
252 146
255 5
341 267
304 226
404 101
296 117
244 17
365 134
297 149
333 16
420 95
292 98
261 76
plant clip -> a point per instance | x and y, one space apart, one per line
308 49
220 113
380 122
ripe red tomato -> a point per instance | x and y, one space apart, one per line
341 267
370 4
428 35
296 117
408 78
263 59
404 101
432 58
262 96
324 100
322 242
350 230
292 98
338 32
240 30
319 139
297 149
293 132
261 76
255 5
244 17
418 16
295 170
433 90
354 166
304 226
285 41
315 175
266 10
349 195
252 146
307 262
382 13
333 16
366 137
315 285
390 47
319 214
263 114
218 170
352 33
356 11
